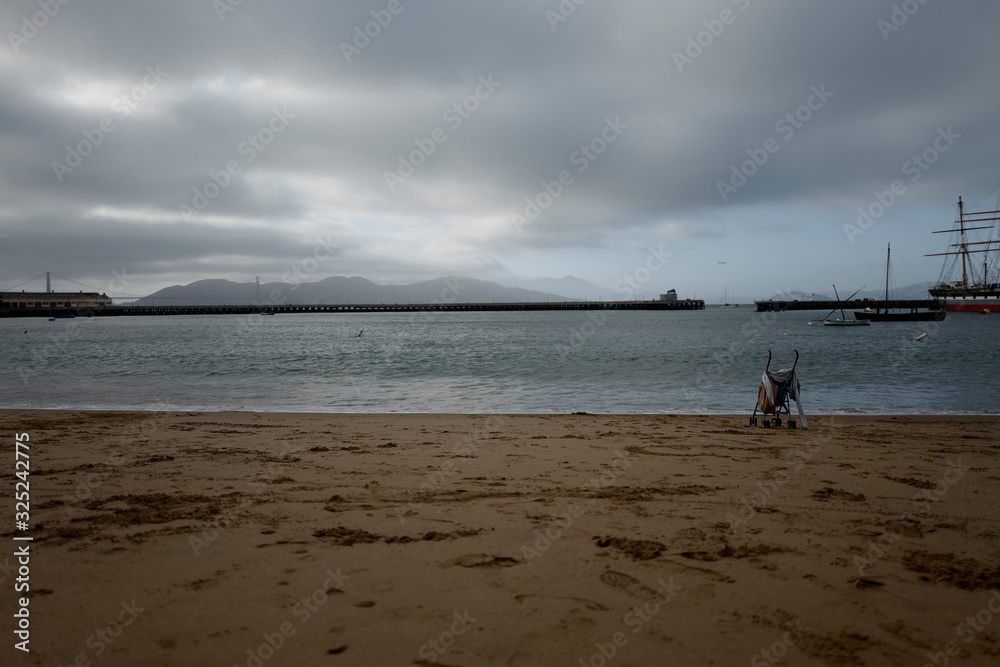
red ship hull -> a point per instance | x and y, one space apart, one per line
968 301
972 307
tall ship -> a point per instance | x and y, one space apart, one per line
978 288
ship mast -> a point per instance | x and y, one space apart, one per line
888 252
962 245
961 239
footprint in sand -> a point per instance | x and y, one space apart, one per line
589 604
483 560
829 492
629 584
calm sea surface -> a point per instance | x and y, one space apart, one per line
520 362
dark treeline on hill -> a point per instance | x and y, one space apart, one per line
341 289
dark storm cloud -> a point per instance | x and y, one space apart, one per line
695 90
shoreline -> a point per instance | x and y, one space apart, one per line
238 538
809 415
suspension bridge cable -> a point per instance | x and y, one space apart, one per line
26 281
97 289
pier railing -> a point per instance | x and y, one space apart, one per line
250 309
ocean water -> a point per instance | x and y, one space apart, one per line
509 362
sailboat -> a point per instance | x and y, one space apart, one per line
880 315
974 292
843 321
725 300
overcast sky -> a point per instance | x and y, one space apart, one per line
149 144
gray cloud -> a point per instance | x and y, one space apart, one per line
348 123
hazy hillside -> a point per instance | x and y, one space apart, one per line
341 289
795 295
915 291
574 288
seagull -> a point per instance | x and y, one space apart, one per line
721 262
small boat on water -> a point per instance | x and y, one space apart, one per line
725 300
843 321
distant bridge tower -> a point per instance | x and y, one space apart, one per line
48 283
257 295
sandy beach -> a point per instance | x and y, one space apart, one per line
409 539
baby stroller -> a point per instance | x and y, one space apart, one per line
776 388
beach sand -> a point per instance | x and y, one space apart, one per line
328 539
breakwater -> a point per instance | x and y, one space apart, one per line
251 309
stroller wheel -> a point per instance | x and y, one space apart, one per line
767 423
791 423
753 421
777 421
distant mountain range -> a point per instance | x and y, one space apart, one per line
573 288
341 289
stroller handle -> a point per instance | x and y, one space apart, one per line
794 364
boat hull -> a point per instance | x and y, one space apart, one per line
919 316
972 307
970 303
845 323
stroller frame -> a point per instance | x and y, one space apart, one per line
782 396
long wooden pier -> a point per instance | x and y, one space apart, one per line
854 304
112 311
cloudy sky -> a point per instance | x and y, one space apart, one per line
149 144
